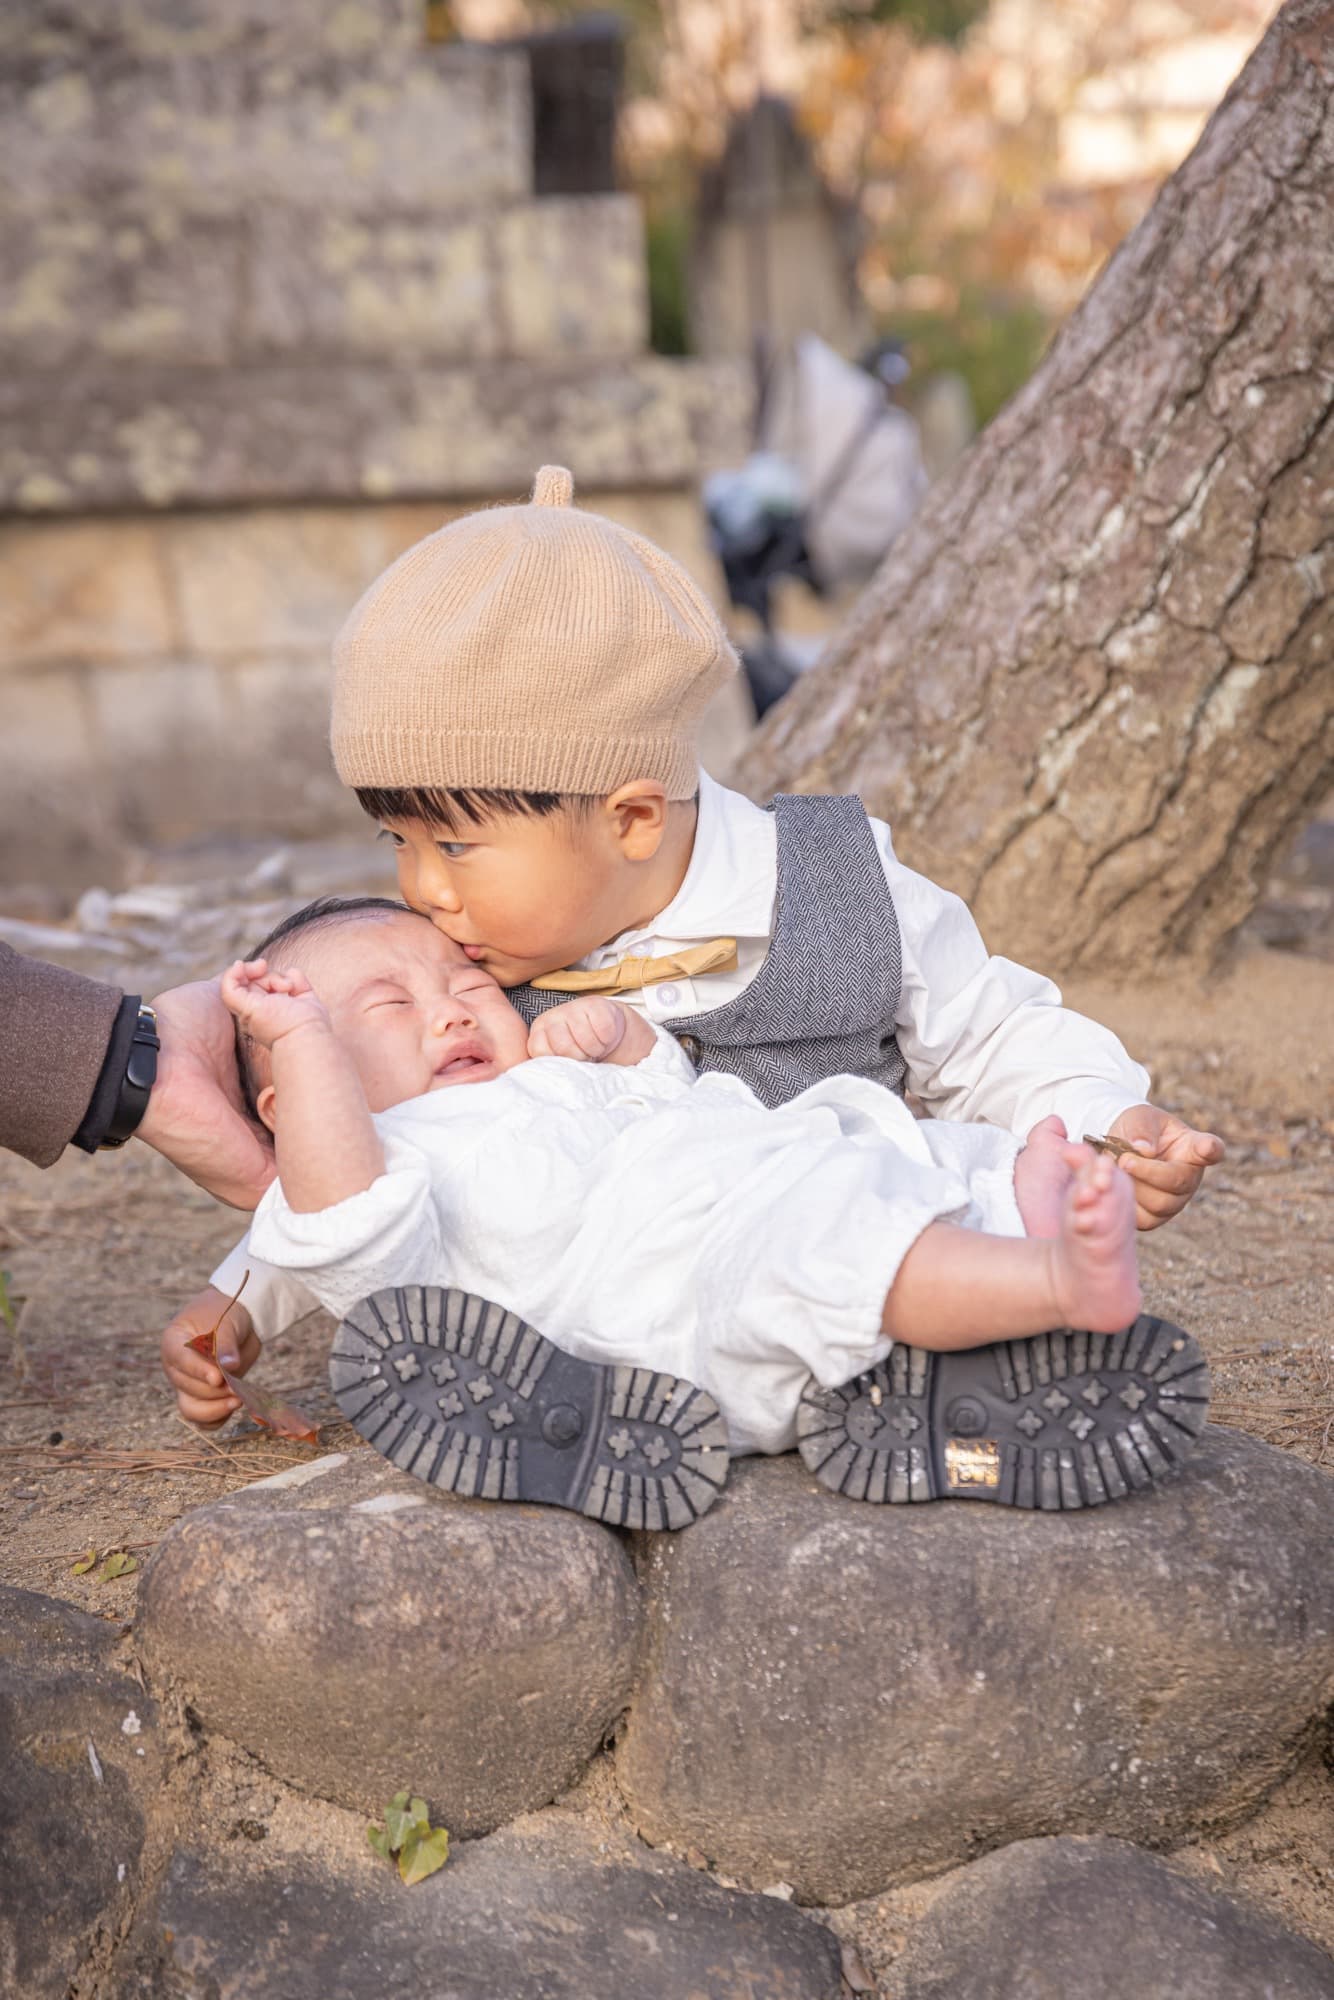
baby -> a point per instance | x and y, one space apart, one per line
670 1235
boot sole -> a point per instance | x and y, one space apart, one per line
1058 1421
461 1393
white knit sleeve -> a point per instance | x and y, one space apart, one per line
273 1298
390 1234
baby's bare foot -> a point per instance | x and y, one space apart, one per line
1094 1265
1043 1174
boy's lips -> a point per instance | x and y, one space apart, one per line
473 951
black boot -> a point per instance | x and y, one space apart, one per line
1060 1420
461 1393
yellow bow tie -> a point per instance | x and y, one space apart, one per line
628 975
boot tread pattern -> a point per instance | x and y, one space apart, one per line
453 1389
1059 1421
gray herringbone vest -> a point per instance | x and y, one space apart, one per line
825 1000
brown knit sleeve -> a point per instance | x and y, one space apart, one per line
54 1030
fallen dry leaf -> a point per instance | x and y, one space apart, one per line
271 1411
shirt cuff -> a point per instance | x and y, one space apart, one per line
1095 1111
667 1057
106 1091
274 1299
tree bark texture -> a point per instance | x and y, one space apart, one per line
1091 686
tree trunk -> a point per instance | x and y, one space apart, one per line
1091 684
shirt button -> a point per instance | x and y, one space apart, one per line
690 1046
668 995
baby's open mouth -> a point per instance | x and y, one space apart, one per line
463 1062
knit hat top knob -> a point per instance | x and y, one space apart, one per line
553 487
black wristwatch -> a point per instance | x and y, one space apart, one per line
136 1083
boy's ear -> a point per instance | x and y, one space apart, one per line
638 813
264 1106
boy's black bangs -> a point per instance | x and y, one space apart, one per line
454 808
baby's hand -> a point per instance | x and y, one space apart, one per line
1168 1163
591 1028
202 1397
268 1004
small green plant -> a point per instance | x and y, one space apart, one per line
408 1834
7 1312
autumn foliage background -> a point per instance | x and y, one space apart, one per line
998 153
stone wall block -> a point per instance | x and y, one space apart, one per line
127 287
444 131
846 1697
386 286
359 1632
305 431
165 30
276 579
574 276
48 744
80 590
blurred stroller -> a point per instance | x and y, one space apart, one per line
835 474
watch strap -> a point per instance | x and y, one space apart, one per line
136 1082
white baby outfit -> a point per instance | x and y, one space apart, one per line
648 1216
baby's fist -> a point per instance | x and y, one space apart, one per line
587 1029
269 1005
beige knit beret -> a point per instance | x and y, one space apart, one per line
537 648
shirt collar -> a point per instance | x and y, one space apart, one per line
730 883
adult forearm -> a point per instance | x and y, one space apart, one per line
325 1141
55 1030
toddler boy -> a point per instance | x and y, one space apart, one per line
666 1231
515 704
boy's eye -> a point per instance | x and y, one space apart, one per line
395 840
453 850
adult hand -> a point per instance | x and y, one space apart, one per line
1169 1161
202 1397
196 1116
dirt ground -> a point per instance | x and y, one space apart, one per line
99 1251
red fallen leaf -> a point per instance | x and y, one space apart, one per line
257 1403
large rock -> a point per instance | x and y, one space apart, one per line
847 1697
359 1632
1099 1920
79 1762
552 1911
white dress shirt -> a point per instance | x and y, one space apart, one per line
984 1040
649 1217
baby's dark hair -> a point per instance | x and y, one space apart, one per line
454 808
323 914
